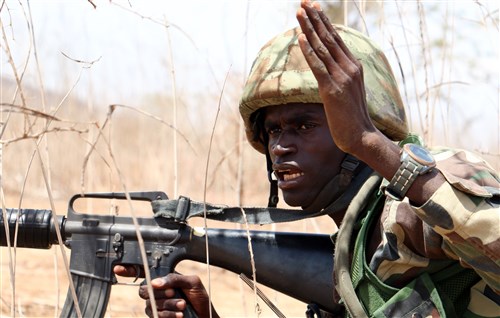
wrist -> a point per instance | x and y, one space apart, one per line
415 161
378 152
374 147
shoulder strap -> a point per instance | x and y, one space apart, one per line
342 276
182 209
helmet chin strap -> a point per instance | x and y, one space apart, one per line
333 197
273 200
273 189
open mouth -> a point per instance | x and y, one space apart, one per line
287 174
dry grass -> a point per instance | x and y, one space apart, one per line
55 145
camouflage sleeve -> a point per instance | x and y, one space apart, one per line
465 211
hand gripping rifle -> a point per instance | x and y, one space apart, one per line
296 264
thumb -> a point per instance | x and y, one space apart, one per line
160 282
171 280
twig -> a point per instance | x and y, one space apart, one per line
87 64
168 24
158 119
140 240
174 104
93 146
262 296
422 28
42 134
412 63
218 165
13 66
51 200
30 111
205 190
252 263
92 3
12 253
58 231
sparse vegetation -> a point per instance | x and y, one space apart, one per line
61 143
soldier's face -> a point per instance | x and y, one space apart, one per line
303 153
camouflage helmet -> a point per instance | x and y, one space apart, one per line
280 75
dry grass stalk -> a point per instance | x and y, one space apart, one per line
29 151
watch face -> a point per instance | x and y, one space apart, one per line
420 154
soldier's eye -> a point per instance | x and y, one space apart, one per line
306 126
273 131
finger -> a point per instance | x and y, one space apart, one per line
163 314
319 21
323 72
329 37
168 304
174 280
317 66
171 304
318 28
158 293
320 49
334 34
126 271
165 283
163 287
172 310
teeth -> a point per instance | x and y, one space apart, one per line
287 175
291 176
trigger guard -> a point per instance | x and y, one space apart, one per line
138 272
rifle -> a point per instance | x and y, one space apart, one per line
99 242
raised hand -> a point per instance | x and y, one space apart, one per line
339 75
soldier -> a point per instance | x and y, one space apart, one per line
322 103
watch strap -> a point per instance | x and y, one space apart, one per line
407 172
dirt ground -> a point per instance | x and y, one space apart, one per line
41 283
40 290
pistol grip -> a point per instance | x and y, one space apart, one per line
161 271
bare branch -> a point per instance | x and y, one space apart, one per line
92 3
28 111
40 134
87 64
158 119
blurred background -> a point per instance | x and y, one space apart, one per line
126 95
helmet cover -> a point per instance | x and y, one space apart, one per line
280 75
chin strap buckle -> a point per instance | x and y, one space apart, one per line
273 191
349 166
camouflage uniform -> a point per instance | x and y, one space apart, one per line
460 222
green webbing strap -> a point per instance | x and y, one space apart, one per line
375 293
412 138
184 208
342 272
342 275
360 245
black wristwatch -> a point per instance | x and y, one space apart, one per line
415 161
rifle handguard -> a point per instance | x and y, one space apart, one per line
35 228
